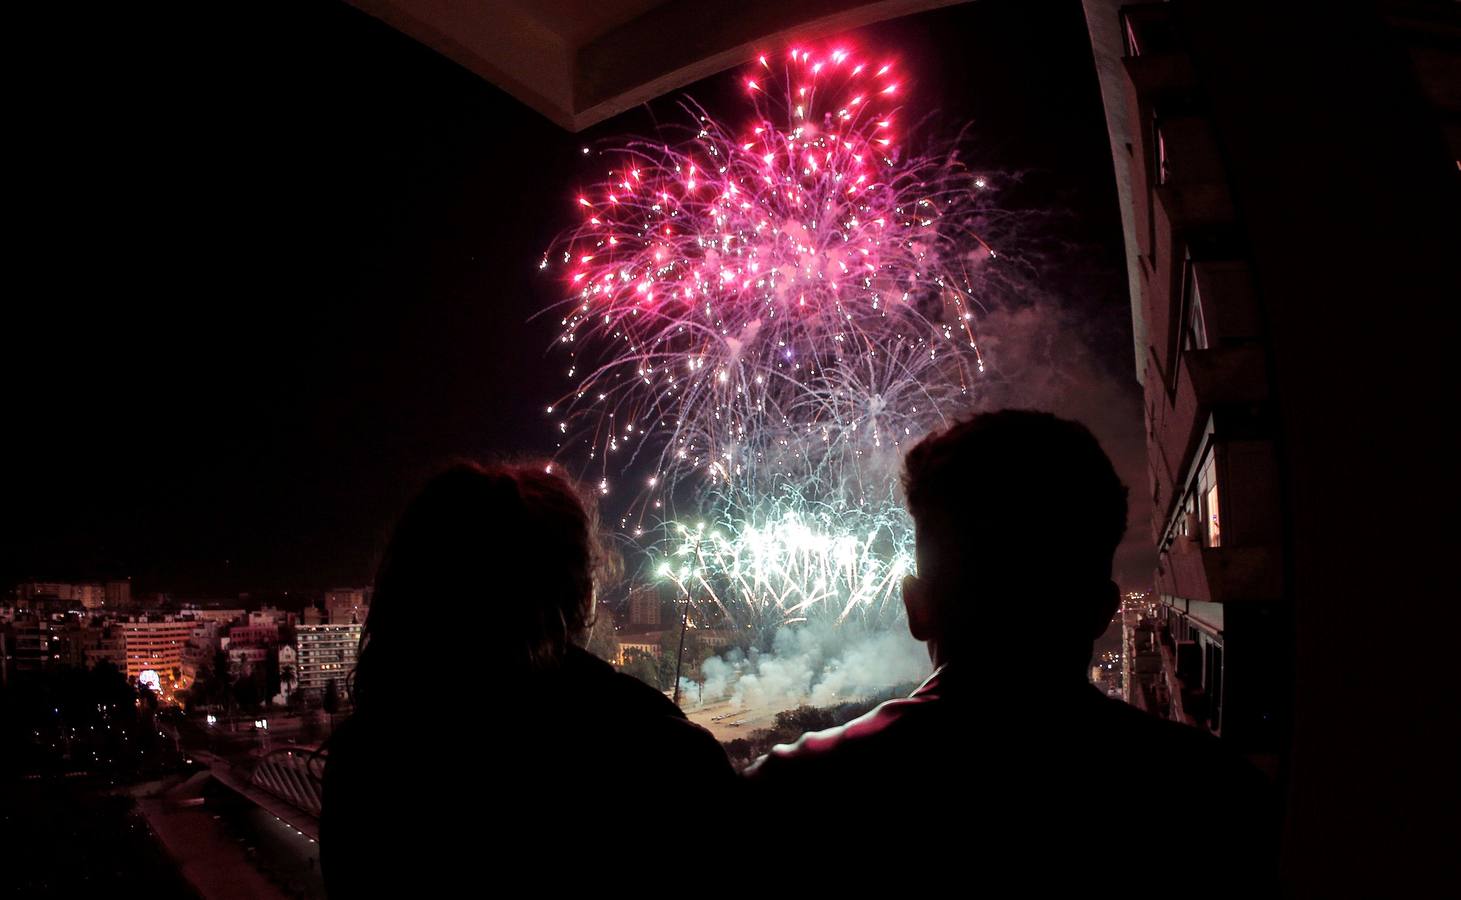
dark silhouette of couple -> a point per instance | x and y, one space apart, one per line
487 749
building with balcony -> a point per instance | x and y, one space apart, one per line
1212 645
203 643
646 608
222 616
44 642
325 653
104 642
640 640
254 634
244 659
155 643
1287 177
278 618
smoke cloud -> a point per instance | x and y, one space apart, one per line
817 664
1041 354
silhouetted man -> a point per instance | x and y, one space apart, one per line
1007 769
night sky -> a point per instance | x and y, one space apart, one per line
281 261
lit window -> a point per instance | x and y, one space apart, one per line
1208 490
1194 326
1164 173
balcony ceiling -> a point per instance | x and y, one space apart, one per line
579 62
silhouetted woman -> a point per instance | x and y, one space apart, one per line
486 748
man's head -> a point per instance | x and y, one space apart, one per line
1011 507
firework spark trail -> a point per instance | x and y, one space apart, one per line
718 279
764 314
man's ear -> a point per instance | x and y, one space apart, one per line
918 603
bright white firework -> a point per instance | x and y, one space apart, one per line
785 560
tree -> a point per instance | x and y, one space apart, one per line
286 681
668 661
147 697
220 680
603 640
696 653
246 692
271 675
642 665
793 723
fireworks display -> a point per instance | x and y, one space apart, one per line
760 316
786 558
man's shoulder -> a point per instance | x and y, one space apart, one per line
630 710
886 728
601 690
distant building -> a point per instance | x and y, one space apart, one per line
27 592
640 641
645 607
262 634
288 674
60 596
203 643
104 642
91 596
1143 675
713 637
213 614
156 643
279 618
243 660
325 653
56 641
347 606
119 594
43 642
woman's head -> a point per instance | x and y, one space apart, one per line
492 565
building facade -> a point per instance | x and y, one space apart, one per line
105 642
1206 653
60 596
347 606
203 643
325 653
1288 185
645 607
157 644
220 616
119 594
262 634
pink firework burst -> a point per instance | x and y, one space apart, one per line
733 294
